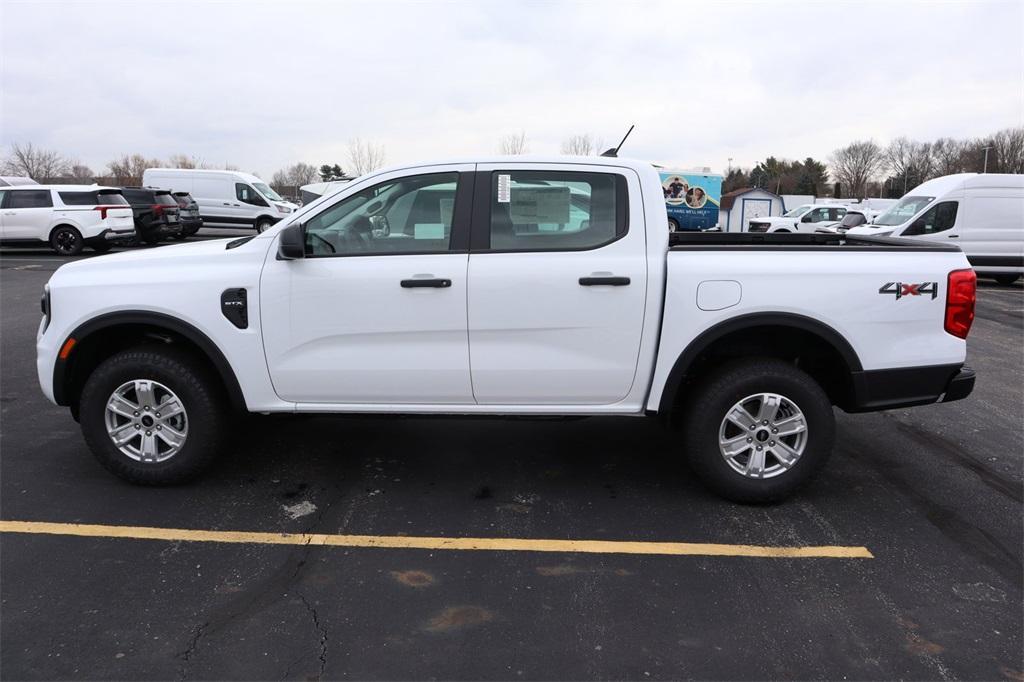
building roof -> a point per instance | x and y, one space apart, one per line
729 198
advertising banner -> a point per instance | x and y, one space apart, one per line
691 199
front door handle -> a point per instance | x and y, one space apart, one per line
610 281
423 282
954 236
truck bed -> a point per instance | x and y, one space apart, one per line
696 241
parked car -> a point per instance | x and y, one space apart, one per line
854 217
156 213
984 213
16 180
508 287
804 218
225 198
67 217
188 214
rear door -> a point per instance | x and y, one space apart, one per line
557 284
27 214
992 235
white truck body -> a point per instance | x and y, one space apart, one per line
225 198
512 317
984 213
804 218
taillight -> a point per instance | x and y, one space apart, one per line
158 209
961 292
103 210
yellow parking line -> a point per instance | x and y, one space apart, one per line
407 542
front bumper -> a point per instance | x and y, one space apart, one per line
887 389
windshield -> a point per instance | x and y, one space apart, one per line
797 212
263 189
853 220
904 210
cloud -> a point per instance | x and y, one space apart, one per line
262 85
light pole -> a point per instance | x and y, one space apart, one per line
730 166
985 170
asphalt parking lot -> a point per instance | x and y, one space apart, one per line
933 495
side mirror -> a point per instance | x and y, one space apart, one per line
292 242
806 218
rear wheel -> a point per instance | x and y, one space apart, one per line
264 224
66 240
1006 280
153 416
758 430
100 246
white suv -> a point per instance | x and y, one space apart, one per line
67 217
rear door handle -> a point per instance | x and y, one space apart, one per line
604 281
954 236
423 282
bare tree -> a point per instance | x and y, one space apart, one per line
294 176
37 163
1007 153
513 144
128 169
855 164
948 155
184 161
581 145
81 173
364 156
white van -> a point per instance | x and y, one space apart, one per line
984 213
225 198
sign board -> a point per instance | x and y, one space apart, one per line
691 199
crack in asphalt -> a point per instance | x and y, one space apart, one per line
193 644
323 635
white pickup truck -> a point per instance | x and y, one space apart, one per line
806 218
507 287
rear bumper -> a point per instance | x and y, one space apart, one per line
887 389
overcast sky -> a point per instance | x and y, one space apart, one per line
264 84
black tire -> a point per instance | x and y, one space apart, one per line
673 225
179 237
705 410
201 395
1006 280
66 240
781 231
151 238
263 224
100 246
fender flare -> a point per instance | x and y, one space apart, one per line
722 329
61 369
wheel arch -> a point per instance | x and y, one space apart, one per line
803 332
125 329
64 222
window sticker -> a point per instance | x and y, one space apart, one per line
504 189
535 205
446 206
428 231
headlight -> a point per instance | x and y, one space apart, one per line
283 209
44 305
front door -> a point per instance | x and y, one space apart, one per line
557 284
376 311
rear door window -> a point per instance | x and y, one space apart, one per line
35 198
556 210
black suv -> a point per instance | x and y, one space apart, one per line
156 213
188 214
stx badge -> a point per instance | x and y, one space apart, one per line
901 289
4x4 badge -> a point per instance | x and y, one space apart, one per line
901 289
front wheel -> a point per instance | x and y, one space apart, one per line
757 430
153 416
264 224
1006 280
66 240
673 225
